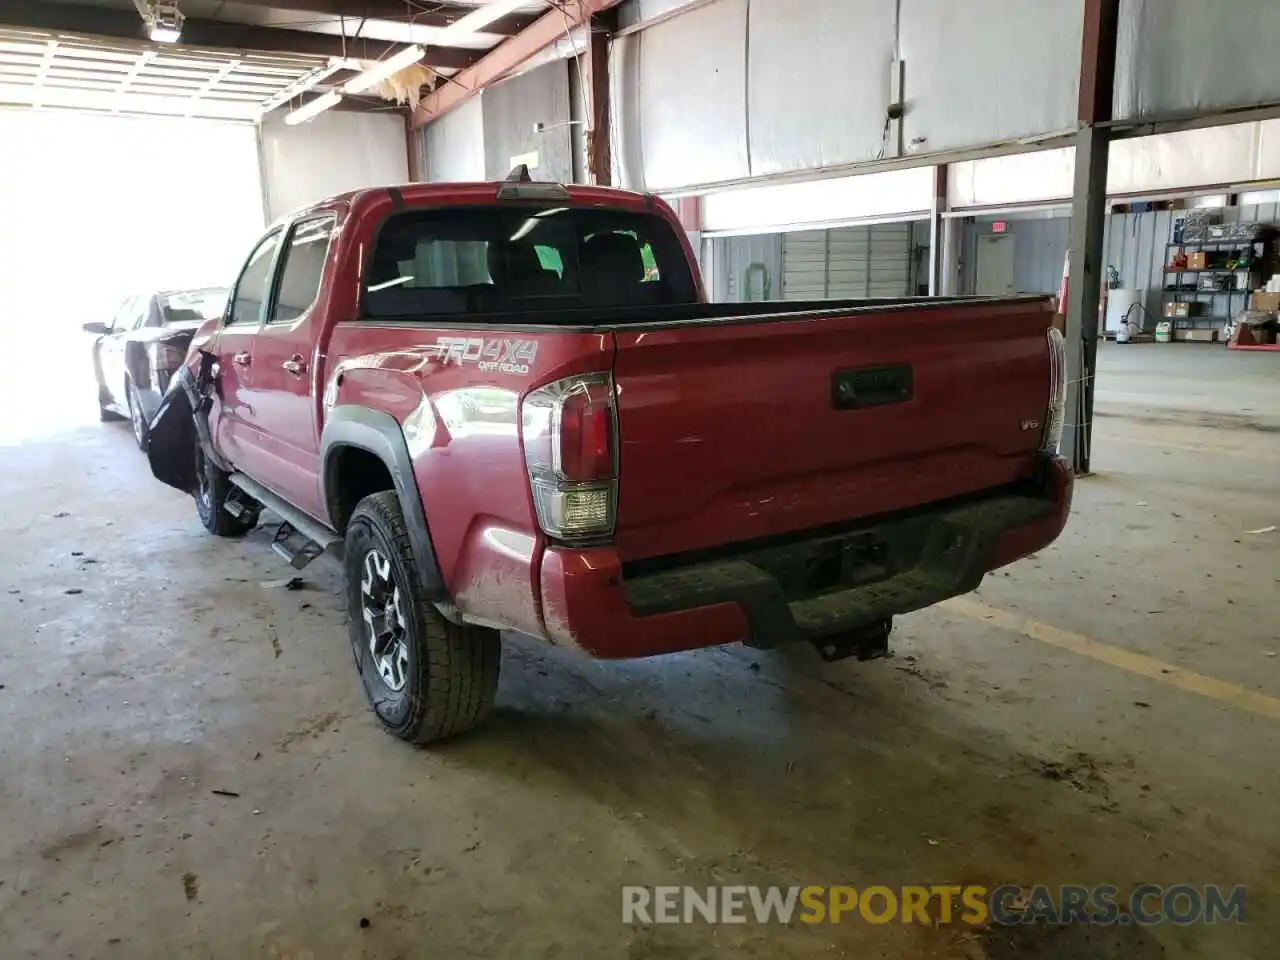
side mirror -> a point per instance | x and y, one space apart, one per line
98 328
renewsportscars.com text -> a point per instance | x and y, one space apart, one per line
974 905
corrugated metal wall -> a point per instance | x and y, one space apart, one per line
1135 245
692 117
986 71
512 109
747 268
810 44
1175 56
479 140
359 150
453 146
1039 247
737 89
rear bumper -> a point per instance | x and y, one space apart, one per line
929 555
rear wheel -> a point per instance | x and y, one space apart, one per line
426 677
213 488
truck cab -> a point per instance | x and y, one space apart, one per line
509 407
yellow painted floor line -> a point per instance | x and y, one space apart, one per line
1197 683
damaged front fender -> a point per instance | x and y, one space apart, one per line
182 422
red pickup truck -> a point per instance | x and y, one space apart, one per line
508 406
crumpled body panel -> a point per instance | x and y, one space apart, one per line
181 422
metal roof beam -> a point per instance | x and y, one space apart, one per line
110 22
508 56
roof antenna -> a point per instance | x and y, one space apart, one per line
520 174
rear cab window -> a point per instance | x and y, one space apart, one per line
524 257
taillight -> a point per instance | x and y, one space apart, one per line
586 433
570 449
1051 436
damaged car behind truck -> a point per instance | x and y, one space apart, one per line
509 407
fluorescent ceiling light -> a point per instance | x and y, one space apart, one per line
305 83
164 34
317 106
479 18
384 68
473 22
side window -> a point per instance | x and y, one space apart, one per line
155 313
254 282
123 320
303 264
141 313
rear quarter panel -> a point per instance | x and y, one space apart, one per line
460 414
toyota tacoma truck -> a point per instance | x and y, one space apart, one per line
509 407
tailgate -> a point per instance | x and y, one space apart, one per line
733 431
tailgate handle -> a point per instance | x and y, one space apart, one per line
871 386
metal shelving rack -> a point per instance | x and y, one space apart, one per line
1244 280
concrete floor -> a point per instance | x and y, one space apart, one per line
144 666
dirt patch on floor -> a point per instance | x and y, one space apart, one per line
1039 942
310 730
1078 769
1189 418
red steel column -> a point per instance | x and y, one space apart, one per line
600 122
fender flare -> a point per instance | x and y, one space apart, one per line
380 434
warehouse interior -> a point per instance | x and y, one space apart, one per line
188 766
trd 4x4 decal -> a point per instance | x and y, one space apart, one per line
502 355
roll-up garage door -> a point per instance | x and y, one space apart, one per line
889 271
849 255
804 265
847 262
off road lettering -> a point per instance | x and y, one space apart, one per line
489 355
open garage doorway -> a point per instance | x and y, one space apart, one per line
97 208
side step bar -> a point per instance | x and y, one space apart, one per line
316 536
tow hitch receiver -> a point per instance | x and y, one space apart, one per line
870 642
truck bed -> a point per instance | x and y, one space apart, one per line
596 319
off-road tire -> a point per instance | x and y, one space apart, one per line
213 487
452 671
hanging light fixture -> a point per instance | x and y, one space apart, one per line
163 19
374 75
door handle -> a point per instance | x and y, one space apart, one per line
295 365
242 359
